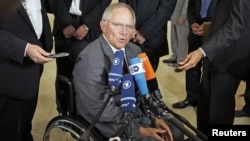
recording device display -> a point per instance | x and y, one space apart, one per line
128 94
115 74
59 55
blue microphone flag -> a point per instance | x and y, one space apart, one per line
115 74
138 71
128 94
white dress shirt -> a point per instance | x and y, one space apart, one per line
75 8
33 9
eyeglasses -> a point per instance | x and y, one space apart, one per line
120 25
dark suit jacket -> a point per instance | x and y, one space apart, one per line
91 15
19 75
151 20
229 45
193 14
90 79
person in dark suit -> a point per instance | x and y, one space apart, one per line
151 26
228 43
76 24
90 78
195 40
26 40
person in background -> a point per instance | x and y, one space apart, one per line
90 78
26 41
151 26
179 33
76 24
227 45
195 40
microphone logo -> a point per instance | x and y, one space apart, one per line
136 68
127 84
116 61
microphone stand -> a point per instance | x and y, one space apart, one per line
158 108
85 136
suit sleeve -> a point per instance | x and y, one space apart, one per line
191 12
96 13
161 16
232 30
91 88
61 12
183 13
11 47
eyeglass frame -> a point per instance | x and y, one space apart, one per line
120 25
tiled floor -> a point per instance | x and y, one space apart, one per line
172 86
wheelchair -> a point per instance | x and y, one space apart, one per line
70 126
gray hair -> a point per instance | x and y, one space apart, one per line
108 11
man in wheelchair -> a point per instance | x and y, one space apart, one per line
91 83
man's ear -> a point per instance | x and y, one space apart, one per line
103 26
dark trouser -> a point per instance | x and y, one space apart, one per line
16 119
216 102
193 75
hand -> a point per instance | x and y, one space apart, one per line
160 133
191 60
197 29
139 38
37 54
80 33
161 124
180 21
153 133
69 31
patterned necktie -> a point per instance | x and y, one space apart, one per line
204 8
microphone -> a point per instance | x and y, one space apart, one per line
128 94
138 71
127 105
115 74
150 75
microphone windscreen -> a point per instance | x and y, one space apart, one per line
149 71
115 74
128 94
137 70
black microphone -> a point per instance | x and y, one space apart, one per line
115 74
128 104
152 81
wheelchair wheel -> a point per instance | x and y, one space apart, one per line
63 128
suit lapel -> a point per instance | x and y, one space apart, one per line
25 16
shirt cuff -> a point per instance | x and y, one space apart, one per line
25 54
203 52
